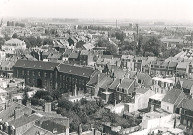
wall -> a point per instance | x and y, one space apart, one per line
24 128
167 107
156 122
143 99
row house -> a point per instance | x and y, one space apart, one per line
172 100
14 46
182 69
159 67
127 62
123 90
51 75
6 68
186 113
162 85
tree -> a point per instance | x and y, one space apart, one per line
15 35
2 41
153 45
102 42
47 41
64 103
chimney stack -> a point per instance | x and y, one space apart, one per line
80 129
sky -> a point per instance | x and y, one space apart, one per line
175 10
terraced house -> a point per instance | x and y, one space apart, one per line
51 75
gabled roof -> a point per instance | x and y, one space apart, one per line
106 83
94 79
88 46
35 129
126 83
23 120
115 83
141 90
174 96
172 64
107 56
187 104
74 55
7 114
54 55
13 41
187 84
145 78
36 64
182 65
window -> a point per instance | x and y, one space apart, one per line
168 108
119 97
27 72
45 74
123 90
50 75
22 72
33 73
38 73
139 81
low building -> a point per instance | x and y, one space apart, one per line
172 99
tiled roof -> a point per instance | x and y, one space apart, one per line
36 64
141 90
74 55
126 83
75 70
23 120
187 84
84 52
88 46
182 65
172 64
7 114
13 41
67 52
107 82
173 95
94 79
35 129
114 84
54 55
187 104
107 56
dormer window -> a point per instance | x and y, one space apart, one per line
122 90
139 81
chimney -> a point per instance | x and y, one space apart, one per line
48 107
80 129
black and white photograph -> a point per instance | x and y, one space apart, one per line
96 67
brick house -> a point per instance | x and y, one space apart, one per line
51 75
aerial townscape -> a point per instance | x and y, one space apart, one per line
78 76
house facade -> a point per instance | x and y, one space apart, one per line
50 75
